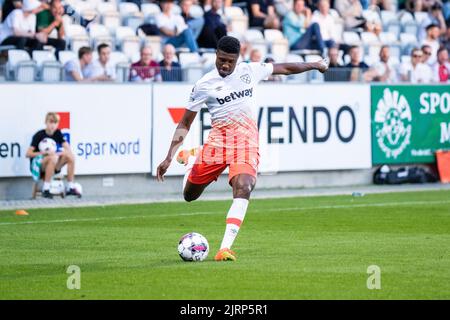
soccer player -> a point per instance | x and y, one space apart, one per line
51 162
227 91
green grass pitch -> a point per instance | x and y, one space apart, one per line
292 248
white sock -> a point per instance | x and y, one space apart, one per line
70 185
235 217
190 164
46 186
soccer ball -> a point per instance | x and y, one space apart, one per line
193 247
47 144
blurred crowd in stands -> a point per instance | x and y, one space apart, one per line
366 40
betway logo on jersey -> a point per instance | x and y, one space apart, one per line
235 95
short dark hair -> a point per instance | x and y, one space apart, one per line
83 51
431 25
442 48
101 47
229 44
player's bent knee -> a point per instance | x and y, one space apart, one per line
189 197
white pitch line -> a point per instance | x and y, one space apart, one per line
343 206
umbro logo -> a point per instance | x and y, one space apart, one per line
246 78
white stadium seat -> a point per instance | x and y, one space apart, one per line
196 11
65 56
150 10
104 7
41 56
388 38
351 38
51 71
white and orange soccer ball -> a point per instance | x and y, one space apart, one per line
193 247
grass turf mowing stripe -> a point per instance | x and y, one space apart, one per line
365 205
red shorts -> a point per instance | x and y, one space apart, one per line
205 171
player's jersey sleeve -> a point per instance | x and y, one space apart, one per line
35 141
197 98
261 71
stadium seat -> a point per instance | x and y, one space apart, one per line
196 11
51 71
405 59
155 43
105 7
369 38
314 75
420 17
388 38
118 57
40 56
76 36
176 9
387 16
253 34
273 34
111 20
65 56
351 38
233 11
411 27
239 24
17 58
192 66
150 10
98 34
405 16
394 27
122 72
296 78
130 15
127 41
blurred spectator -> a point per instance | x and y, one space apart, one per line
244 54
19 29
373 18
76 70
441 70
351 12
427 53
333 56
103 66
146 69
255 56
434 17
49 20
214 27
446 39
173 28
272 77
195 24
356 66
282 7
336 71
383 70
262 14
170 70
300 32
432 40
327 23
415 71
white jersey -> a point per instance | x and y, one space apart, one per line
229 98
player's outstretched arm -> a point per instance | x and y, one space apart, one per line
178 138
299 67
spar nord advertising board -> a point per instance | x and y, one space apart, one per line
301 127
409 123
108 126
